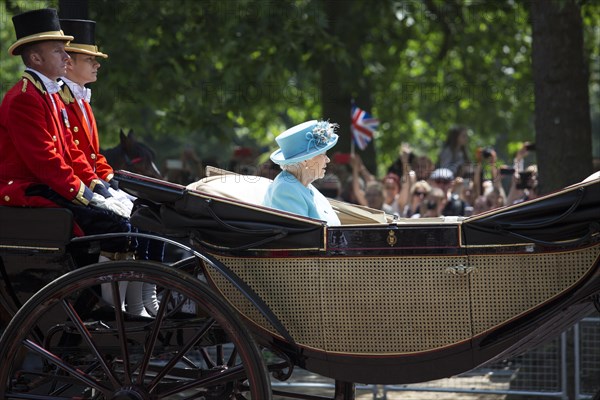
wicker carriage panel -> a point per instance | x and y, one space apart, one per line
393 305
358 305
289 286
505 286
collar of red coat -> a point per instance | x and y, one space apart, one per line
41 82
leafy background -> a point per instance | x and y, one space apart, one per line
217 74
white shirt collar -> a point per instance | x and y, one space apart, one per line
80 92
50 85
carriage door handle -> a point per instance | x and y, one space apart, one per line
459 270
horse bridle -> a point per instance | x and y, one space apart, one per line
131 161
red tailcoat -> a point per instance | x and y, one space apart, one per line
36 147
86 139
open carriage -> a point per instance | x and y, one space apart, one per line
375 300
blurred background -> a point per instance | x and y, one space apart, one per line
212 78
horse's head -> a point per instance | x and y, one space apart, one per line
133 156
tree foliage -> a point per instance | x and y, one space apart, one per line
216 73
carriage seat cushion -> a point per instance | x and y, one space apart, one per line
247 188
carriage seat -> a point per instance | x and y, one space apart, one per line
247 188
35 230
251 189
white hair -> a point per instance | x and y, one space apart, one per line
292 167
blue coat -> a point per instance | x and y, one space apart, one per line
287 193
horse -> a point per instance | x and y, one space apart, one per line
132 155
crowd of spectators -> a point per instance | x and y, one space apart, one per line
414 185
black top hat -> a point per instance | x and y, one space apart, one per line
36 26
85 39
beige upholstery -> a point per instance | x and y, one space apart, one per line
251 189
247 188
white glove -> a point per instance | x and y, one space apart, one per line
123 198
118 193
110 204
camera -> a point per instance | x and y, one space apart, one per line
507 171
431 204
530 147
524 180
487 152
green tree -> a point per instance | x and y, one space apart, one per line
216 74
562 111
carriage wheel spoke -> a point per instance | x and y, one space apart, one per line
121 332
66 378
232 357
219 377
207 358
220 358
87 337
158 320
180 354
76 373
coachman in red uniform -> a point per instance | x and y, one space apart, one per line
81 70
40 166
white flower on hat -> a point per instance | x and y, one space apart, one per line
321 134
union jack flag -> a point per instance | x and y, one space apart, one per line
363 127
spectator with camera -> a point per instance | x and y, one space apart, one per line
493 197
403 169
433 205
418 191
525 180
488 192
443 178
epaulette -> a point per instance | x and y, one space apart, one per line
36 82
66 95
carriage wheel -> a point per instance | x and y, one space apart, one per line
66 342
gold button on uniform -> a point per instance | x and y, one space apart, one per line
71 190
75 129
93 156
10 182
76 141
54 138
6 198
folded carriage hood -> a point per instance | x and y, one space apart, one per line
571 215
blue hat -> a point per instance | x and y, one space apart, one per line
304 141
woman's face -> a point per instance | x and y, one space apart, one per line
316 166
418 195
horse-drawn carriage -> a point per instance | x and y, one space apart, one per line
374 300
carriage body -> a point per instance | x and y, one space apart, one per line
375 300
384 300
